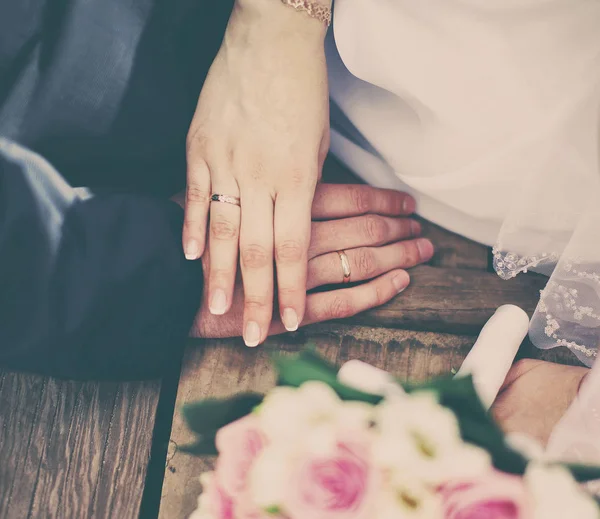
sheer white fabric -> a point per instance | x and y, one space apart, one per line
553 225
488 112
576 438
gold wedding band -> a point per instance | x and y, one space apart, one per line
225 199
345 265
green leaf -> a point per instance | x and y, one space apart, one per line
205 446
476 424
206 417
295 370
583 473
212 414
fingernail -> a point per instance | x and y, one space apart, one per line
409 205
192 250
415 227
400 281
252 334
218 303
290 319
425 249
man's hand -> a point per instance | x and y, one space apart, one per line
365 223
535 396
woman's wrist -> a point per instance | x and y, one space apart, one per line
275 16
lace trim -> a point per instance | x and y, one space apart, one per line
569 267
565 299
508 264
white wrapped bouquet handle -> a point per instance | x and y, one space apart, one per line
488 362
494 351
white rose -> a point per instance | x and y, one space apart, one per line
408 499
420 436
301 416
557 495
311 417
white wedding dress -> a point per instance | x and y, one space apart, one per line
488 113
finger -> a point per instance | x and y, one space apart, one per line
344 200
292 237
346 302
197 200
256 261
368 262
224 246
360 231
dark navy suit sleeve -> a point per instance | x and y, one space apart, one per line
90 287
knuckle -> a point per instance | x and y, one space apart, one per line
340 307
257 170
289 251
220 276
288 293
255 302
254 256
361 199
196 139
298 177
379 295
411 254
223 229
365 262
375 228
197 194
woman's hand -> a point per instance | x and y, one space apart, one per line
362 221
535 396
260 133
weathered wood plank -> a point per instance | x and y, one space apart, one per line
453 300
73 449
220 368
454 251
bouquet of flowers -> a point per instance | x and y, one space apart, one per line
316 448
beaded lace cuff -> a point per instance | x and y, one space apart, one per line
313 9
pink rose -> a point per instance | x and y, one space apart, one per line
342 485
238 445
496 496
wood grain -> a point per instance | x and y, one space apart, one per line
454 251
71 449
225 367
453 300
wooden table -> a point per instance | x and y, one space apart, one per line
425 331
103 450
